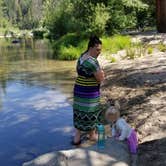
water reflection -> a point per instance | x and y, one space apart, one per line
35 113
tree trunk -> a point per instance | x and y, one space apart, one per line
161 15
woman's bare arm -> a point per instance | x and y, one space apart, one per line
99 75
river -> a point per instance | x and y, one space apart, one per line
35 101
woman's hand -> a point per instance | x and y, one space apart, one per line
99 75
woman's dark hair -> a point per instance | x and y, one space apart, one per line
93 40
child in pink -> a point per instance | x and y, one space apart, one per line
121 130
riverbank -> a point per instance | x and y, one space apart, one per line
140 87
114 48
71 45
37 33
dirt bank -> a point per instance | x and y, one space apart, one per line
140 86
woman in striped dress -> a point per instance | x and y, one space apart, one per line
87 91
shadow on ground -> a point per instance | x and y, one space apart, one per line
152 153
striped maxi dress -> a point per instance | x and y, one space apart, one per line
86 95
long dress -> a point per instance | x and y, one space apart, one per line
86 95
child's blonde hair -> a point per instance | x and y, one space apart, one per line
113 110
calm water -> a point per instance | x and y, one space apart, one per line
35 102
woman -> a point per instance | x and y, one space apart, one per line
87 91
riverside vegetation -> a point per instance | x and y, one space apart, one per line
69 23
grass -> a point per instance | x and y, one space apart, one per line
150 50
131 53
161 47
136 50
69 53
70 46
111 58
115 43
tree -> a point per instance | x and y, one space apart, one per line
125 14
26 14
88 16
3 19
65 16
161 15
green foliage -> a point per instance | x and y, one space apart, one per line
58 17
91 16
25 14
150 50
116 43
71 45
147 18
162 47
136 50
39 33
69 53
131 53
97 17
113 59
3 21
124 14
65 16
101 16
81 16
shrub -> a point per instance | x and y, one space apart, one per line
58 18
99 19
69 47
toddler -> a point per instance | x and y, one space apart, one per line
121 130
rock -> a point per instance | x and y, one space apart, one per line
49 159
115 154
153 42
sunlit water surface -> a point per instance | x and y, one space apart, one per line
35 101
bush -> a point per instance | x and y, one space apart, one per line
58 18
98 17
71 45
98 20
126 14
